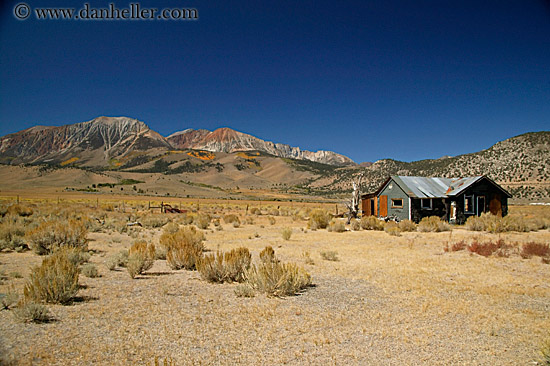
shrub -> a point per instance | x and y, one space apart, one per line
55 281
202 221
278 279
307 258
90 270
170 228
53 234
19 210
392 228
268 255
225 267
244 290
272 220
355 225
153 221
407 226
255 211
330 256
538 249
496 224
433 224
461 245
336 226
231 218
12 232
476 223
119 259
273 212
10 298
141 257
286 233
183 248
318 219
188 218
371 223
77 256
28 312
488 248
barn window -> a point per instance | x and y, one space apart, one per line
397 203
468 204
426 203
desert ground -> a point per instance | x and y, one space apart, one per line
377 299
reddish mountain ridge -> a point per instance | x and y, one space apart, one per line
228 140
97 142
94 141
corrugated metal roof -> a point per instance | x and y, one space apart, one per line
433 187
460 184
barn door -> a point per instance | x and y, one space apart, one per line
495 206
383 206
365 205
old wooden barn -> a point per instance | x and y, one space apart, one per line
452 199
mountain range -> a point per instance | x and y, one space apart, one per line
225 162
102 139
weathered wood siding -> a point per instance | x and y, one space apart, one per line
495 200
395 193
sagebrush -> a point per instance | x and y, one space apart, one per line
54 281
225 267
183 248
141 257
53 234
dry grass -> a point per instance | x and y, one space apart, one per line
388 300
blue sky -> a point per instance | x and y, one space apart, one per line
397 79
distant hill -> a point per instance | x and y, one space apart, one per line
521 164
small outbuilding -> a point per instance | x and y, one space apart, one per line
452 199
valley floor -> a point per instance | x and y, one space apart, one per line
387 300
